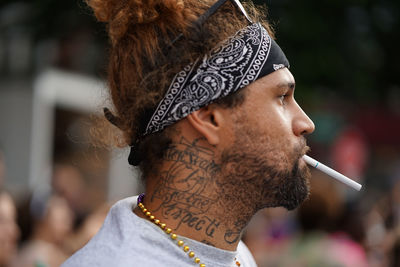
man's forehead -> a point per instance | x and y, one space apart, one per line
278 79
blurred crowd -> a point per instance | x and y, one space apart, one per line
48 226
330 229
334 228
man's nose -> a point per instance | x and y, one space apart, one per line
302 124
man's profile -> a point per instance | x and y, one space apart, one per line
204 97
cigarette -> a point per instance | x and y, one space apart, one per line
332 173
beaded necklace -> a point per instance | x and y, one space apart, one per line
169 232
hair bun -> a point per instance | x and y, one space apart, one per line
121 15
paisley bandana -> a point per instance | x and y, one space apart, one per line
233 64
245 57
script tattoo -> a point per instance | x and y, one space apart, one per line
181 186
190 154
233 235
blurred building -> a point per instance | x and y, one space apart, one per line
51 67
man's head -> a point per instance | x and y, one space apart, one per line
143 60
254 136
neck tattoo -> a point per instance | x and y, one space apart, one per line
168 231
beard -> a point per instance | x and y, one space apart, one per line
293 189
257 173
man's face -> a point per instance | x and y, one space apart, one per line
263 161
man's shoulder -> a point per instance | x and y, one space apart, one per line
119 235
126 240
139 252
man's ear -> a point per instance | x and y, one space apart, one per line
207 121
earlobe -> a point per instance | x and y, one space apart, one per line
207 123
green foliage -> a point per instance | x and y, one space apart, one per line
345 46
350 47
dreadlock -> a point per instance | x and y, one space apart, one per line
143 60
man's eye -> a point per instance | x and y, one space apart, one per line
282 98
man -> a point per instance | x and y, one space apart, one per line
223 140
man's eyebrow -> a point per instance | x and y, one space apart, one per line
288 85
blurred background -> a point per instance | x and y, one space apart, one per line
56 187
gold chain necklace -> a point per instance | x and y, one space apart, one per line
173 236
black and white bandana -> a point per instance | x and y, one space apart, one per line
235 63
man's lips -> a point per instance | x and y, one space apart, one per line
305 150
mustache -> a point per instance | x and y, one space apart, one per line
305 150
302 148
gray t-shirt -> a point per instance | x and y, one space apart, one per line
128 240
